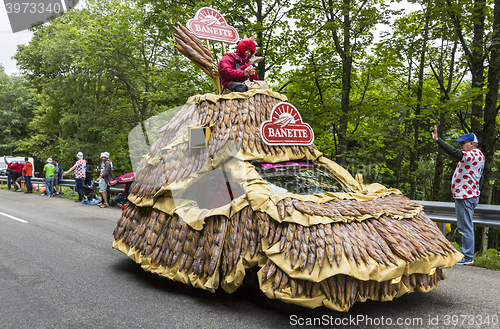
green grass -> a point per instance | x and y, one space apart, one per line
489 260
456 245
486 262
66 192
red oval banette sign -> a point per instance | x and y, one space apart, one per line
286 127
209 24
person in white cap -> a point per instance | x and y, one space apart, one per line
110 162
465 186
104 178
48 173
79 168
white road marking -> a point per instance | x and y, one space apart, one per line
14 218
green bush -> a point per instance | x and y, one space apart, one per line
492 253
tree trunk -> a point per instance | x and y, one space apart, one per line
445 92
489 141
475 58
477 66
261 66
344 119
414 152
437 186
346 85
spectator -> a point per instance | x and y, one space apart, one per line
48 173
108 189
89 171
104 178
27 174
79 167
465 187
13 166
9 180
57 175
98 170
110 162
16 177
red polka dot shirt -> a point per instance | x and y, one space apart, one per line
80 168
465 182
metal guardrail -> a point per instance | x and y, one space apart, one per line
441 212
444 212
62 182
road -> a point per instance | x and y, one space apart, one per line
58 270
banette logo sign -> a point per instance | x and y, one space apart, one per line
209 24
286 127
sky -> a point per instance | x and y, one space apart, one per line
9 40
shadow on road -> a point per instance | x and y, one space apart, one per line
251 294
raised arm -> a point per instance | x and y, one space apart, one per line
454 153
70 170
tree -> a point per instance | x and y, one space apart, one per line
264 19
478 30
17 103
143 69
342 31
267 21
100 72
72 115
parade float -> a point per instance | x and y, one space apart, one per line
235 183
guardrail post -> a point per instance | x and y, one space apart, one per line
442 227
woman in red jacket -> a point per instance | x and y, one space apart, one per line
14 171
234 68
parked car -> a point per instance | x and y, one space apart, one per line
3 165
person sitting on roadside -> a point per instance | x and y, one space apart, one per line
235 68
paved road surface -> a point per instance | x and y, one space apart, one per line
58 270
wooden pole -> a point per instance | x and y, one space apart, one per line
215 75
223 48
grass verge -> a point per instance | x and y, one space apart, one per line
65 192
491 259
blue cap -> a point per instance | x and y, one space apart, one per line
468 137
